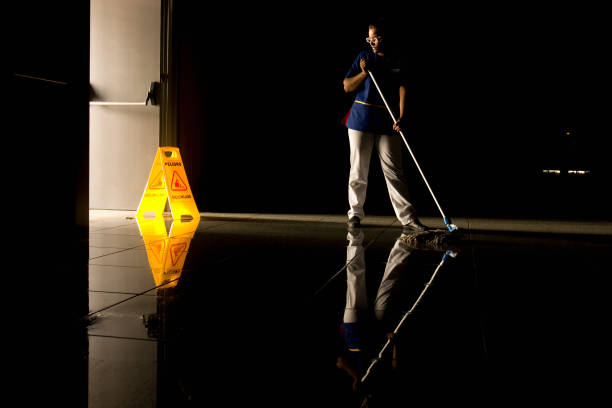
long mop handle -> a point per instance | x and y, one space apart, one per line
451 227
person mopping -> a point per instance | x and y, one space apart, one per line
368 125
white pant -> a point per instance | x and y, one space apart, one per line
396 265
390 153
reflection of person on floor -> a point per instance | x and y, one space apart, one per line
359 328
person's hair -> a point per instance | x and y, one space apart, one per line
379 25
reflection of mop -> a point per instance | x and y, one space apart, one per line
451 227
409 312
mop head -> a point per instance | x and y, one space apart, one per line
434 239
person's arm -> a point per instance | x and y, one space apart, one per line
352 83
402 104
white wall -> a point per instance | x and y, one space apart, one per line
124 60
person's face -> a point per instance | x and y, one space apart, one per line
374 40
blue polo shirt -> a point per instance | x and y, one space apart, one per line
368 113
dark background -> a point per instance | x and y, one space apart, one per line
492 95
46 145
493 92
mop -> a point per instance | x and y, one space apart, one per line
451 227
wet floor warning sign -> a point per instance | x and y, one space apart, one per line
167 183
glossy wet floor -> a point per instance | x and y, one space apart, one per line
290 311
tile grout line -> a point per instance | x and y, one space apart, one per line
110 292
131 297
141 245
117 252
121 337
110 228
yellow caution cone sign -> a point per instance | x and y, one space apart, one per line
167 183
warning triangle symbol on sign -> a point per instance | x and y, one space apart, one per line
157 182
176 251
157 248
177 183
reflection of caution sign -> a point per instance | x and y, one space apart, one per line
167 183
156 248
176 251
167 251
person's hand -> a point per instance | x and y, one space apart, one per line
363 64
397 125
